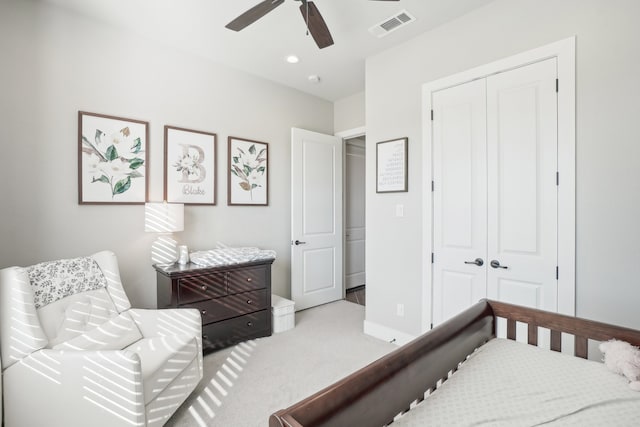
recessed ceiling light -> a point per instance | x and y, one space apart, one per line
292 59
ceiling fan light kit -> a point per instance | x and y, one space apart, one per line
316 26
292 59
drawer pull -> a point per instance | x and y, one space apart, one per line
203 312
249 301
203 287
249 323
249 279
205 338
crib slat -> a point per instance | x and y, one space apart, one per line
581 348
556 340
511 329
533 334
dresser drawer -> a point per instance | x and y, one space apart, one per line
247 279
231 306
225 333
234 300
200 288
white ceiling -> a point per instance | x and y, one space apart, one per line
197 26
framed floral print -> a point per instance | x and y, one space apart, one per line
112 159
248 180
189 166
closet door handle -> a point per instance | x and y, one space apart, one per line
298 242
478 261
496 264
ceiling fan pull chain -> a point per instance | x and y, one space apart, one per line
307 20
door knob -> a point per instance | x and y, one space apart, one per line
298 242
477 261
496 264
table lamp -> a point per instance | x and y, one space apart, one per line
164 219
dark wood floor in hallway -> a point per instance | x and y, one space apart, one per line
356 295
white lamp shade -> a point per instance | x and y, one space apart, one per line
163 217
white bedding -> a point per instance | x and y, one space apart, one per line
505 383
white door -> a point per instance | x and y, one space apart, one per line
522 188
460 199
354 213
495 192
316 218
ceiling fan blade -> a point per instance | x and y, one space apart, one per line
253 14
316 25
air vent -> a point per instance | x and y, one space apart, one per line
392 23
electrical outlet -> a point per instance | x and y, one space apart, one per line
400 310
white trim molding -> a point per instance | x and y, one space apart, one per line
387 334
351 133
564 52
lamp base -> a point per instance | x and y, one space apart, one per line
164 250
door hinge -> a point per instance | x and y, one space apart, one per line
557 85
431 326
431 115
557 178
433 186
557 273
432 257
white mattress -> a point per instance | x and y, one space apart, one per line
505 383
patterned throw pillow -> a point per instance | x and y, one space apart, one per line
54 280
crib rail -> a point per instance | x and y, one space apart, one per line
582 330
374 395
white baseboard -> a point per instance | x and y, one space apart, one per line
386 334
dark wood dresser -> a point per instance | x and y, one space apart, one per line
234 300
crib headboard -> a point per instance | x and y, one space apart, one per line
582 330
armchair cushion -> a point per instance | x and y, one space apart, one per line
75 315
162 360
115 334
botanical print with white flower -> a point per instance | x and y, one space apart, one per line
249 169
113 156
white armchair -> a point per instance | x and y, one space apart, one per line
75 353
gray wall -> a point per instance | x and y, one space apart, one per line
348 113
608 152
55 63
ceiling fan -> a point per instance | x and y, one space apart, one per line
310 13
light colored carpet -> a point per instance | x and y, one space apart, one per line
244 384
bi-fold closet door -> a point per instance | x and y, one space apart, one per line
495 191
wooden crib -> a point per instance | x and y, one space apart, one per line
377 393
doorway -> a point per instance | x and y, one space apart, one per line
318 215
495 193
562 178
316 218
354 219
